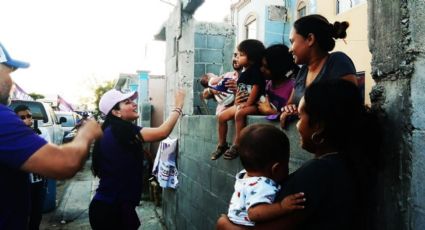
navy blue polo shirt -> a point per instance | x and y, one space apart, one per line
120 170
17 143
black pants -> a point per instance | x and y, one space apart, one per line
108 216
38 193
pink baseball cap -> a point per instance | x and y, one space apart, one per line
112 97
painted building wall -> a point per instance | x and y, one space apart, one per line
157 100
276 27
268 31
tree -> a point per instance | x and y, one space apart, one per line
36 96
99 91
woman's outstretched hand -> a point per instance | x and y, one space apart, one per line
179 98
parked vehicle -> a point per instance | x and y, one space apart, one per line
45 119
69 121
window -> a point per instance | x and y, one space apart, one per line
344 5
251 27
302 9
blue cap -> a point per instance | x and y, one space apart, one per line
7 60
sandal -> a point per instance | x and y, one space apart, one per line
231 153
219 151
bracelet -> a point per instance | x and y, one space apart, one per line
178 110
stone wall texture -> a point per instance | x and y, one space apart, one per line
396 40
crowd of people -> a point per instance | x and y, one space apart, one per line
306 82
318 88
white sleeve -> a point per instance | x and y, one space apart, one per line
264 191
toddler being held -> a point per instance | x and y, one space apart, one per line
264 154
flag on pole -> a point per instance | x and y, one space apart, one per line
19 94
64 105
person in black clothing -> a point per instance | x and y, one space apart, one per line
38 183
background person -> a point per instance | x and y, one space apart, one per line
224 99
338 183
38 183
23 151
118 159
279 70
250 82
312 38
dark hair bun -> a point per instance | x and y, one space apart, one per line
340 29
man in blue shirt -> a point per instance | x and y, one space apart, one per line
23 151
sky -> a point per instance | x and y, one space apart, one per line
75 45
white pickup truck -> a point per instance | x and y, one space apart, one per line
47 120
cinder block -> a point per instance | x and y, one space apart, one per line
221 184
199 70
197 195
200 40
198 219
181 222
216 207
215 41
211 56
184 128
215 69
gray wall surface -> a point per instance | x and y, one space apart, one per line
397 44
206 186
193 49
214 45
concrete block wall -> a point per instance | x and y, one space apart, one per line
193 49
398 68
206 186
214 45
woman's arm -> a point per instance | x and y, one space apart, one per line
162 132
61 162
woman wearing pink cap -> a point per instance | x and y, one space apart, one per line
118 159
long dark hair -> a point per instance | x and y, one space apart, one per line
352 129
125 134
280 61
324 32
